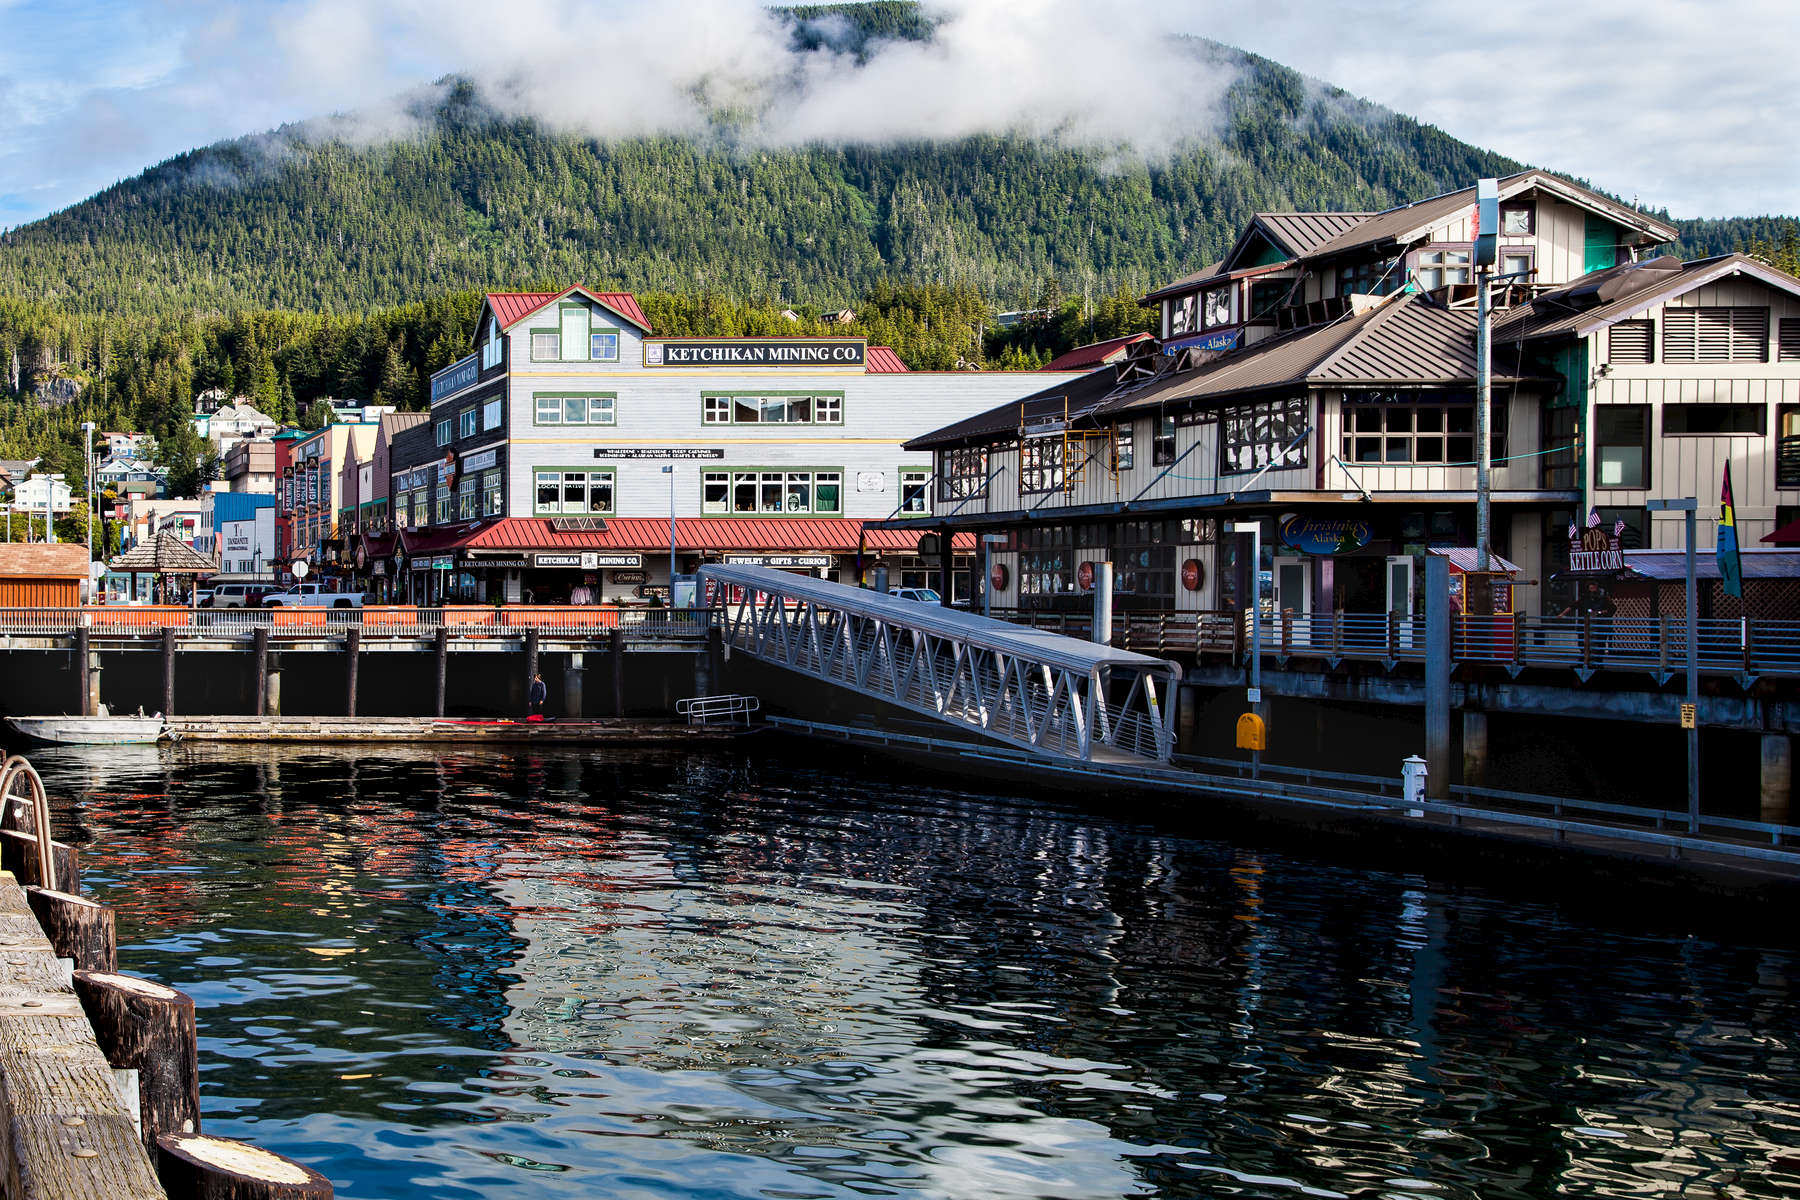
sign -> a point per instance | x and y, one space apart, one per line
300 568
930 545
1592 551
653 591
1084 575
481 461
1326 535
1690 716
443 562
870 481
447 468
1253 695
556 560
511 563
1224 340
708 452
780 560
454 378
756 352
998 576
628 577
1193 574
594 561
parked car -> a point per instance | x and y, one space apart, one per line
922 595
238 595
313 595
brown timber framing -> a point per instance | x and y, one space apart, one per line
68 1134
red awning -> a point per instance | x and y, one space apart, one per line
1787 535
693 535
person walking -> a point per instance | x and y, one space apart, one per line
538 694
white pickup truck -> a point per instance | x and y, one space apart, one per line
312 595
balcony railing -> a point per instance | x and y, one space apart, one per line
390 622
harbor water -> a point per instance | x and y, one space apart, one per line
784 975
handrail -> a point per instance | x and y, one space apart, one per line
14 767
391 621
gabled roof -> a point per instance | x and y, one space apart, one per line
165 554
881 360
43 560
509 308
1094 354
1598 299
1301 233
1082 395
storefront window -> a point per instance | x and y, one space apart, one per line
1253 436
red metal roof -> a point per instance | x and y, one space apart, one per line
692 534
1094 354
881 360
513 307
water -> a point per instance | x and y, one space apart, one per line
535 974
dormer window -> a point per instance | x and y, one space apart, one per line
1181 315
1518 220
490 349
1221 307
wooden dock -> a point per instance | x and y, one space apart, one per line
601 732
69 1135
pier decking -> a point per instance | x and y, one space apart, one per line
602 732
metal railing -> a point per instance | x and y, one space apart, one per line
713 710
376 622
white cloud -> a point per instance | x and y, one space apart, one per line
1684 106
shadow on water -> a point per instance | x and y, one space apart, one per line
652 974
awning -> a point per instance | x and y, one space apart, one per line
693 535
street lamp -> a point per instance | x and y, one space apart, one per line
87 427
669 470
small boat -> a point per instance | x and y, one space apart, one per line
91 731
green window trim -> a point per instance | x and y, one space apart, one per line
730 413
618 342
588 469
531 336
562 422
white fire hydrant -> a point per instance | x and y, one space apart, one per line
1412 783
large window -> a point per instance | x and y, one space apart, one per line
962 473
1253 436
1182 314
558 409
1046 562
574 331
1041 464
1622 445
468 497
1124 447
1370 279
1787 449
1636 534
915 492
1715 334
1219 306
603 345
493 494
1518 218
545 345
571 492
1267 295
1429 428
491 413
1712 420
1441 267
444 500
771 492
1162 445
775 408
466 422
490 349
444 431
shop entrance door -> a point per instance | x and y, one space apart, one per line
1400 569
1293 601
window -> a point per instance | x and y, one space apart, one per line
1425 428
468 497
1787 449
491 414
773 409
443 500
1440 268
1267 295
1622 443
1787 346
493 498
1124 446
1370 279
1516 264
557 409
466 422
575 333
1162 446
1046 561
962 473
1041 464
604 346
490 349
1181 314
421 509
768 492
1221 306
442 431
545 345
572 493
1253 436
1631 342
1518 219
1715 334
915 493
1712 419
1637 526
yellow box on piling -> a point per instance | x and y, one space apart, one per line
1252 734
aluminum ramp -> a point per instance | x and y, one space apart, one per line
1056 696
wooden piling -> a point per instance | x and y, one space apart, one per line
168 671
84 673
19 854
148 1028
443 668
531 660
77 927
616 653
352 654
193 1165
259 638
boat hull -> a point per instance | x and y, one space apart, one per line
89 731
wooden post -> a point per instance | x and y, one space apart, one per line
531 658
443 667
616 652
1587 640
84 673
168 671
715 656
19 854
352 653
260 640
77 928
193 1165
148 1028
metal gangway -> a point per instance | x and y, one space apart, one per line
1056 696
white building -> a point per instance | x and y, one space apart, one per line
41 491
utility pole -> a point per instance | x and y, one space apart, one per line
1690 717
1484 254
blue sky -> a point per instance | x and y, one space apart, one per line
1685 105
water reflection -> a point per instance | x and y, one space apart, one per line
534 974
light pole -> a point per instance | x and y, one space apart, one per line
1254 529
1483 255
87 427
669 470
1690 717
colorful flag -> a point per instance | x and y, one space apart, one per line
1731 570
